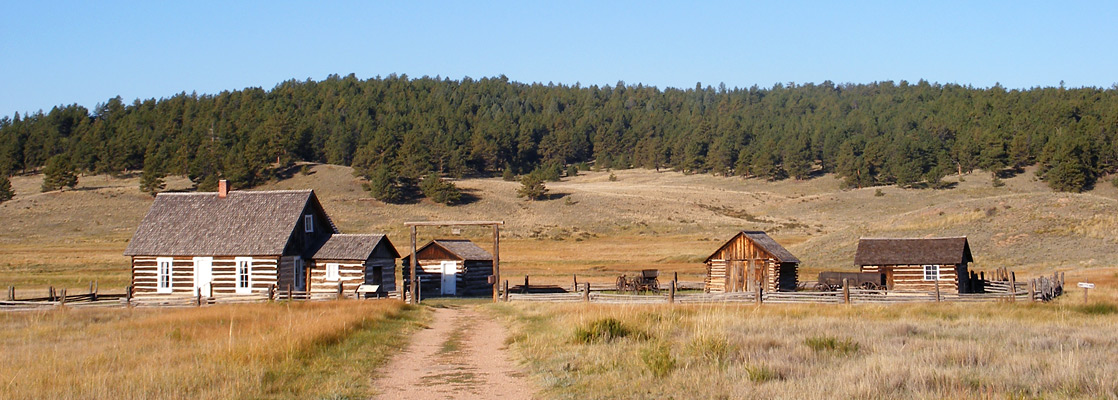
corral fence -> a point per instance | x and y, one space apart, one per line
54 298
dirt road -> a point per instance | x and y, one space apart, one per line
461 355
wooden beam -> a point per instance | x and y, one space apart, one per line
496 261
452 223
412 282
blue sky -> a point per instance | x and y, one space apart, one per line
55 53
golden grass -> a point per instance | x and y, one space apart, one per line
275 350
813 352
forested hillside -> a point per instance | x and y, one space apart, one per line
870 134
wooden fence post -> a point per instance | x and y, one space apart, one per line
197 297
50 293
11 293
1032 290
757 295
671 292
62 300
575 286
525 288
128 295
1012 287
506 293
92 294
341 291
937 290
846 290
586 293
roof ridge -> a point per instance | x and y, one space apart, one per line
913 238
282 191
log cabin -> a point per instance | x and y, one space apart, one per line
917 264
451 267
352 260
748 259
229 243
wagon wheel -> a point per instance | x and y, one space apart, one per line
822 287
621 283
870 286
654 285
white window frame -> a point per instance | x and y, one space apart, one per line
332 273
308 223
164 285
243 278
931 272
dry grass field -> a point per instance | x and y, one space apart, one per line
598 228
276 350
934 351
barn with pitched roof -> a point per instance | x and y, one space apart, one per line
452 267
918 263
248 242
749 259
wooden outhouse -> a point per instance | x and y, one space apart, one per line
449 267
351 260
918 263
229 243
749 259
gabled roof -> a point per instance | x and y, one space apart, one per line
765 242
352 247
463 249
913 251
201 224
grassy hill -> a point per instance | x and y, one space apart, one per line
596 227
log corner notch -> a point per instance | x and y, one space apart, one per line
412 225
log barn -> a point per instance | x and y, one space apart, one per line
229 243
451 267
918 263
748 259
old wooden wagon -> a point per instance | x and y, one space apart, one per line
918 263
749 259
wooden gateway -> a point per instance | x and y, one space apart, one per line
248 242
748 259
918 263
448 267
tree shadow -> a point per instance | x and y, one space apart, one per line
1006 173
468 196
555 196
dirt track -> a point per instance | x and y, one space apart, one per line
461 355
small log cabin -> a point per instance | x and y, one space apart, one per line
353 260
229 243
918 263
748 259
448 267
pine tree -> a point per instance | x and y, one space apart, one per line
6 192
384 186
531 187
58 173
439 191
151 178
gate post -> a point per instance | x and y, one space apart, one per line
846 290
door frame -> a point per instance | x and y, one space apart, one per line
453 286
206 286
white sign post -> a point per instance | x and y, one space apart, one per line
1086 286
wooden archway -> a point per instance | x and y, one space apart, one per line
412 288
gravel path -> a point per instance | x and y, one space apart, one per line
461 355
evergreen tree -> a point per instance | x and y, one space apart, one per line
6 192
439 191
58 173
531 187
152 178
384 185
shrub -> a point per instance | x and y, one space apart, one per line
531 187
305 169
602 330
612 177
1114 181
878 193
821 344
1097 309
658 359
997 182
6 192
440 191
572 170
507 174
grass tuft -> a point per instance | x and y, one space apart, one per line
601 330
762 374
822 344
1097 309
657 357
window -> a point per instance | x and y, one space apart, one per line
931 272
332 272
244 275
308 223
163 274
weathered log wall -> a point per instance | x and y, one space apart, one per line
263 274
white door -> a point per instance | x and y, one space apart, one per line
203 274
450 276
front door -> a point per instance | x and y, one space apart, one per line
300 275
450 276
203 274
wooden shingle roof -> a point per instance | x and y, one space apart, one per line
245 223
765 242
462 249
352 247
913 251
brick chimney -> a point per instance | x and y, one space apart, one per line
222 189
